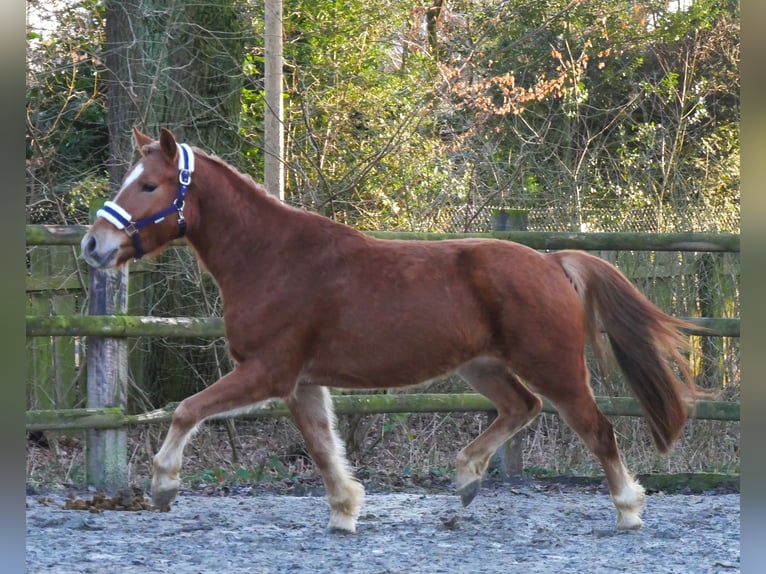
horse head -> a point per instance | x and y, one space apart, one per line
148 211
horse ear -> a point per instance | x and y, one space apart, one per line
168 143
141 139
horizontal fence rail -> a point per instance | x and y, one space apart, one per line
713 242
111 418
182 327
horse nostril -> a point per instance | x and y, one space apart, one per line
89 246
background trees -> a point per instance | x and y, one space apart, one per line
67 147
601 104
176 65
593 114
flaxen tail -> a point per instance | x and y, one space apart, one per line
644 340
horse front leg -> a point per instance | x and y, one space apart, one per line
244 386
312 410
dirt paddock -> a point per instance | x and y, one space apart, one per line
529 527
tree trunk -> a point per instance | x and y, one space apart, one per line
124 65
176 65
432 26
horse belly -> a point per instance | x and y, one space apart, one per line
394 353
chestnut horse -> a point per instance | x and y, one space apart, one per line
311 303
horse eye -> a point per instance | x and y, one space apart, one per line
148 187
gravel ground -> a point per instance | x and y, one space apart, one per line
523 528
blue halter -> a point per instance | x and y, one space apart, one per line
121 219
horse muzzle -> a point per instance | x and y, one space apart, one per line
99 252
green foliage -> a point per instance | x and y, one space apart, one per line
603 103
66 137
272 469
82 193
361 137
518 104
589 112
399 421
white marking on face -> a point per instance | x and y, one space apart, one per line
132 176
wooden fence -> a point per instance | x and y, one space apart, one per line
54 329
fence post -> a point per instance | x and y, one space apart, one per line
510 460
107 363
273 120
510 452
510 219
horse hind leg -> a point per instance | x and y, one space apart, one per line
312 410
516 408
577 407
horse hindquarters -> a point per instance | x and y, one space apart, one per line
546 349
577 406
563 378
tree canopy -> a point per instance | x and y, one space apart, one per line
590 114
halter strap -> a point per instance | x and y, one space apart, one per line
121 219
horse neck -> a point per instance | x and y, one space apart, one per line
233 224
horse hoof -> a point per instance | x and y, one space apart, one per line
629 522
469 492
162 502
162 499
340 524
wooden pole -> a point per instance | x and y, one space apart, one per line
273 128
510 220
107 364
708 293
691 241
110 418
212 327
510 453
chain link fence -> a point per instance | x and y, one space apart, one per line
566 218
